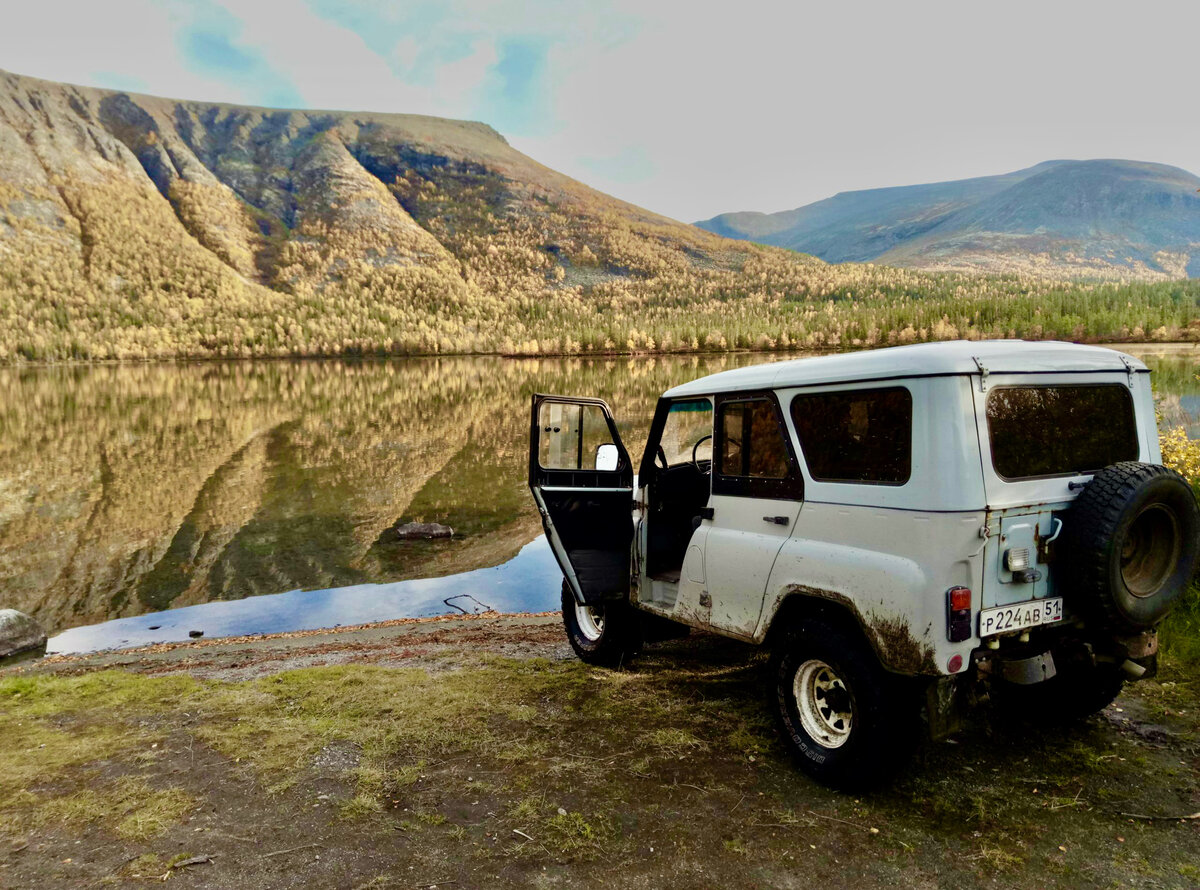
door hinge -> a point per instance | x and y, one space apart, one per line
1129 369
983 372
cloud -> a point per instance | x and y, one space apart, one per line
516 96
117 43
120 81
688 109
214 42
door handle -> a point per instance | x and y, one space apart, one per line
778 520
707 513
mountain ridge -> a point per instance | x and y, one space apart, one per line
1005 223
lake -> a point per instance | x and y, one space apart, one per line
139 503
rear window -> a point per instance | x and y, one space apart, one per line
1060 430
862 435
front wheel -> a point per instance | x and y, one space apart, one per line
603 634
849 722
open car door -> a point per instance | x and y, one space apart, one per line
582 481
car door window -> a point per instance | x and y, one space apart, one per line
575 437
753 444
753 455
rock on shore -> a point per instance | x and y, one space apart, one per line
19 633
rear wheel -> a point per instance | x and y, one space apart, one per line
849 722
602 634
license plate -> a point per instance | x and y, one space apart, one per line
1020 616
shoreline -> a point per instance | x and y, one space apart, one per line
443 641
288 635
1166 346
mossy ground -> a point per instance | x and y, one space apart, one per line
492 771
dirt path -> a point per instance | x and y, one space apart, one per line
476 752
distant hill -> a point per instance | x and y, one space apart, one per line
1104 218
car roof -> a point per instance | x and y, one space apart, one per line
919 360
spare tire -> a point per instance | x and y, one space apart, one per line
1129 545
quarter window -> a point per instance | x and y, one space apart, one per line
1060 430
688 432
862 435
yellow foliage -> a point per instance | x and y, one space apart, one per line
1181 453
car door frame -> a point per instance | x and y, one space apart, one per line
615 486
762 489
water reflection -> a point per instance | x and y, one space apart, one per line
133 489
1175 385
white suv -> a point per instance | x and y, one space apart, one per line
907 528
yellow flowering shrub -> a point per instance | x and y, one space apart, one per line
1181 453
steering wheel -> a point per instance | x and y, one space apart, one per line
696 463
661 457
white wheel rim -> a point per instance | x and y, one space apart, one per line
823 702
590 620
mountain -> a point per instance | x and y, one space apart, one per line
1101 218
136 227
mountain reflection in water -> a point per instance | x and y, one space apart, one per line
133 489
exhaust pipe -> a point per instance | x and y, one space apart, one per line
1132 669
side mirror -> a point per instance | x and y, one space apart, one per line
607 457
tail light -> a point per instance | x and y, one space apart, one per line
958 614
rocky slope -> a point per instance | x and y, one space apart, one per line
1104 218
137 226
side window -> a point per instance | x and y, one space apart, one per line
688 429
752 443
862 435
753 457
575 437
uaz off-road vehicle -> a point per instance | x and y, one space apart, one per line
908 529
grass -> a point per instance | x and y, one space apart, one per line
593 766
397 719
133 808
1179 636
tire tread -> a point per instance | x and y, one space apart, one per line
1094 519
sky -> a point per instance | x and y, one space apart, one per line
686 108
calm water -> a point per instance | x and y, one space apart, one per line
125 491
259 497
